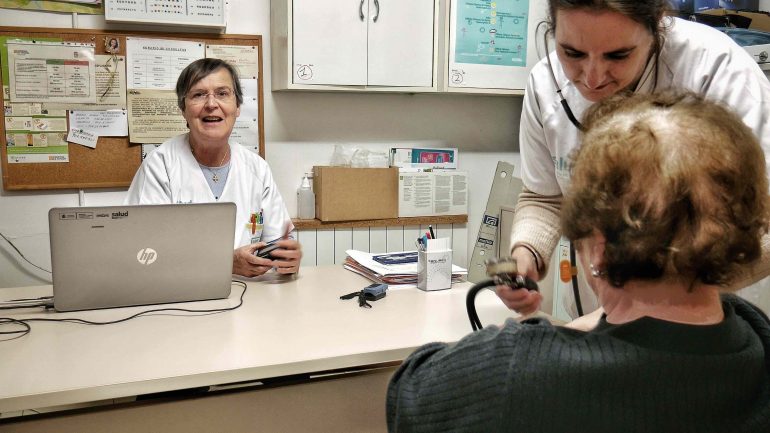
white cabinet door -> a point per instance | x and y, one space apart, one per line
329 42
401 43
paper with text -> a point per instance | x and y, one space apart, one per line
51 72
153 116
156 63
103 123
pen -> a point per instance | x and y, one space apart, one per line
432 235
253 223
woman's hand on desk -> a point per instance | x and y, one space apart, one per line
522 301
247 264
287 257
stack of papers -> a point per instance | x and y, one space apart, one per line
364 264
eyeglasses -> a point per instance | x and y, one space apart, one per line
200 97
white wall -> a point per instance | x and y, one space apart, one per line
484 128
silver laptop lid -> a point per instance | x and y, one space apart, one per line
117 256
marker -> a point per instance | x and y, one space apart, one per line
432 235
253 223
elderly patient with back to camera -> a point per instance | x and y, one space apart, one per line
667 206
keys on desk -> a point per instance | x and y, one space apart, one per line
361 298
371 292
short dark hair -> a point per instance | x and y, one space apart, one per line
199 70
675 183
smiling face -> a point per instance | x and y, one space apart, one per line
211 119
603 52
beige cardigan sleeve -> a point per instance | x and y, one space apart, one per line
536 224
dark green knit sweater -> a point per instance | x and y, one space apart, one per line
645 376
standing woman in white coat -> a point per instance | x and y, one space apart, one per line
204 166
602 48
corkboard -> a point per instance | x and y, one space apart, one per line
114 160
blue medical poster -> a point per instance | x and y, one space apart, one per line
491 32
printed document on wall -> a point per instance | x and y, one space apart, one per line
153 116
4 59
110 86
156 63
245 58
432 193
51 72
35 134
492 45
246 128
491 33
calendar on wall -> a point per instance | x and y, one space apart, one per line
199 13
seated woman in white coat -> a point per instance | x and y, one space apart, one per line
204 166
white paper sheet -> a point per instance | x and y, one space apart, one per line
51 72
156 63
112 123
85 138
153 116
245 58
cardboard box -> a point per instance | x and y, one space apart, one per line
349 194
759 20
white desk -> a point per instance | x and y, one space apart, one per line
285 327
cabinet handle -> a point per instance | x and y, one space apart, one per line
361 10
377 5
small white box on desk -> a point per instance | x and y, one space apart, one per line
434 265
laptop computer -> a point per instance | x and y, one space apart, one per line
117 256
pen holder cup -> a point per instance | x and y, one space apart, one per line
434 270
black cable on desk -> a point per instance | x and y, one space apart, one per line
22 255
26 328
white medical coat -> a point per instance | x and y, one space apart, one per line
170 174
694 57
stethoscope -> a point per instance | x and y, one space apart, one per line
564 104
579 126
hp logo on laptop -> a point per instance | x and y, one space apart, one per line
146 256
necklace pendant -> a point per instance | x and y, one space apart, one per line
215 178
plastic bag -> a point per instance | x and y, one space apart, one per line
342 155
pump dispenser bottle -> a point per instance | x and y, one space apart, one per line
305 200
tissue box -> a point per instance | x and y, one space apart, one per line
349 194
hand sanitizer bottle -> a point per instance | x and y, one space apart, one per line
305 200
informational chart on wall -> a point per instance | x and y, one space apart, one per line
51 72
491 32
206 13
492 42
